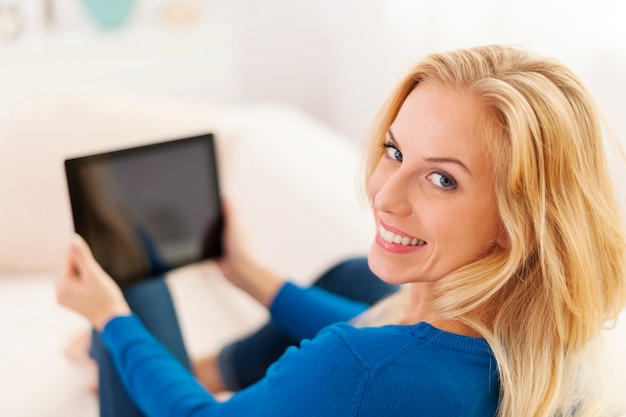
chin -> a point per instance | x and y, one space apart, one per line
400 270
388 271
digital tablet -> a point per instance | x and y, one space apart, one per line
149 209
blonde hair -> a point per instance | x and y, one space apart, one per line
540 302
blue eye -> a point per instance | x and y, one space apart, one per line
392 152
442 181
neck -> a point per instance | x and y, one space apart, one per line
418 303
419 308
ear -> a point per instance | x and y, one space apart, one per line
503 240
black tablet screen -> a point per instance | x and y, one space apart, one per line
149 209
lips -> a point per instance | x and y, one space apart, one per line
391 237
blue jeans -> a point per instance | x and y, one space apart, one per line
243 362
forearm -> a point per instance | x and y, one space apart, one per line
161 387
155 380
260 282
303 312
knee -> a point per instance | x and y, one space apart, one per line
352 278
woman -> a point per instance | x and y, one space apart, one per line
495 213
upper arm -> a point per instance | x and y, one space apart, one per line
321 378
303 312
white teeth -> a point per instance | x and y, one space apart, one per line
397 239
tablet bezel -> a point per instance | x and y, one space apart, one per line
212 244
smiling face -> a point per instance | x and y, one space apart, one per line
432 191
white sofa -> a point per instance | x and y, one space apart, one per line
294 181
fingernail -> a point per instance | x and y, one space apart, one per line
76 240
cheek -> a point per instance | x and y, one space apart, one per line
480 230
374 184
466 227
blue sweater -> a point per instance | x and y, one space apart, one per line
398 370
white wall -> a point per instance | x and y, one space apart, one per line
339 59
336 59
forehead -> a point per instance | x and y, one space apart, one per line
445 122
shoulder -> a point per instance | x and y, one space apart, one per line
374 344
364 370
423 369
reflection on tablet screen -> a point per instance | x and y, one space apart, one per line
148 209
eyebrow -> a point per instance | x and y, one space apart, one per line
445 160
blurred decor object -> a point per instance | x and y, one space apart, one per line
49 13
109 14
180 13
10 22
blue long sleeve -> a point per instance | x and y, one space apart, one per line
303 312
148 369
306 381
341 371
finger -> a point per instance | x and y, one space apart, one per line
225 203
224 268
226 209
66 278
82 256
68 267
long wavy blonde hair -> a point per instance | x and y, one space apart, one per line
541 302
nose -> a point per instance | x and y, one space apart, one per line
392 195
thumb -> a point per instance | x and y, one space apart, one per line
226 207
82 254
